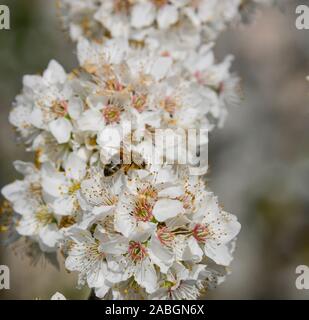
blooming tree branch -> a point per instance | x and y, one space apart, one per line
127 213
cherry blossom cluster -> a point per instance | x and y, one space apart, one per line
122 207
180 24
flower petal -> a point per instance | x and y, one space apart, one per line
61 129
166 208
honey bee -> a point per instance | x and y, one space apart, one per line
118 164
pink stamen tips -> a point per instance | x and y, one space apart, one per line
60 108
111 114
143 211
137 251
199 77
165 236
114 85
139 102
200 232
165 54
149 193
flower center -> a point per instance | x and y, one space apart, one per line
165 236
200 232
66 222
143 211
139 102
137 251
111 114
74 187
113 85
148 193
44 216
60 108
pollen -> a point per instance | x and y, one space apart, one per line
6 214
44 216
74 187
143 210
139 102
137 251
165 236
113 85
148 193
60 108
200 232
66 222
111 114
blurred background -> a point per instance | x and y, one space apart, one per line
259 160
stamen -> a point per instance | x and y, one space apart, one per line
74 187
137 251
200 232
60 108
111 114
44 216
143 211
66 221
165 236
139 102
113 85
6 216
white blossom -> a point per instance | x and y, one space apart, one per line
110 185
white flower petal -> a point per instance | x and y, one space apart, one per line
160 255
75 167
54 73
143 15
61 129
49 237
146 276
58 296
161 67
64 206
166 208
219 254
192 251
167 16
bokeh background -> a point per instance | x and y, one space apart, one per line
259 160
